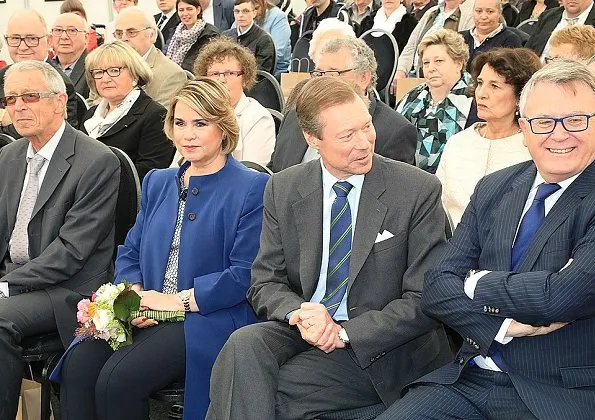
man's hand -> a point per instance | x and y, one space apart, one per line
516 329
317 327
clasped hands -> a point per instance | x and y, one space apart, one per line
317 327
151 299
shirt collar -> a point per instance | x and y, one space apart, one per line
328 180
563 184
170 14
490 35
47 151
246 31
580 18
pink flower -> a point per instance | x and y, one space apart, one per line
93 296
82 314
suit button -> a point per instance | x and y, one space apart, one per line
485 308
476 346
461 361
194 191
372 359
497 310
383 353
191 216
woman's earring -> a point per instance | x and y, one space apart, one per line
134 83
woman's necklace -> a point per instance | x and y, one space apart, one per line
484 128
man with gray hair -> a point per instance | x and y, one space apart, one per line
351 58
517 279
58 190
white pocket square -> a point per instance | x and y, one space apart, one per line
383 236
567 264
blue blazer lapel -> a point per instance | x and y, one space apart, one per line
307 212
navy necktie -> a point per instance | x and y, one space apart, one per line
161 20
337 275
530 223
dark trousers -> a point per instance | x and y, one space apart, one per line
21 316
478 394
102 384
267 371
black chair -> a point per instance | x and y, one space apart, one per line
386 52
5 140
81 107
277 117
160 41
189 75
300 59
257 167
528 26
267 91
523 36
173 394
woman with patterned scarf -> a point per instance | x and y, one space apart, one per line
439 107
190 36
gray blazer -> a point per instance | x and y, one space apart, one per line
390 336
71 232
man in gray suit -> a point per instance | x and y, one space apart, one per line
351 58
58 190
345 243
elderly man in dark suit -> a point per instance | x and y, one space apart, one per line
517 280
572 12
58 191
396 138
346 240
70 34
27 39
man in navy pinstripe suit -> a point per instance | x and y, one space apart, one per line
527 317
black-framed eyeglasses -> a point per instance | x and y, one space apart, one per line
334 73
28 98
30 40
111 71
226 74
571 123
57 32
130 33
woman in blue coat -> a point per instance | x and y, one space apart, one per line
191 249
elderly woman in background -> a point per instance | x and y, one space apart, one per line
498 79
235 66
394 19
212 197
191 35
126 117
439 107
574 42
273 20
489 32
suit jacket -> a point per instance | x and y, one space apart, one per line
168 77
168 30
71 232
546 24
140 134
225 211
401 32
260 43
396 138
390 337
77 76
71 105
554 374
526 10
223 14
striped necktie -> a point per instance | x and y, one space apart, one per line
337 275
161 20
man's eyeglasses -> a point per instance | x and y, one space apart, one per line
57 32
30 40
28 98
571 123
111 71
334 73
226 74
242 11
130 33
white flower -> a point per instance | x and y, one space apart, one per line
102 318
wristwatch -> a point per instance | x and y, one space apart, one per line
344 337
185 298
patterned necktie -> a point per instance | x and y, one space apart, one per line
161 20
337 275
571 21
19 246
531 222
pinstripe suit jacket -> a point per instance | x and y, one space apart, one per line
554 374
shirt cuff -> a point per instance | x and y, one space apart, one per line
501 337
290 314
4 293
471 282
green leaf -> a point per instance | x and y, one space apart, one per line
126 302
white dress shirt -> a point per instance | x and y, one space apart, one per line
580 20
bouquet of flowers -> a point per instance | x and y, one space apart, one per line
108 313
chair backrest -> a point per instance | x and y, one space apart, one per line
257 167
528 26
160 41
300 59
5 140
189 75
386 52
129 195
277 117
523 36
405 85
81 107
267 91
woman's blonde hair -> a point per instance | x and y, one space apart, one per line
454 42
117 54
581 37
210 99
